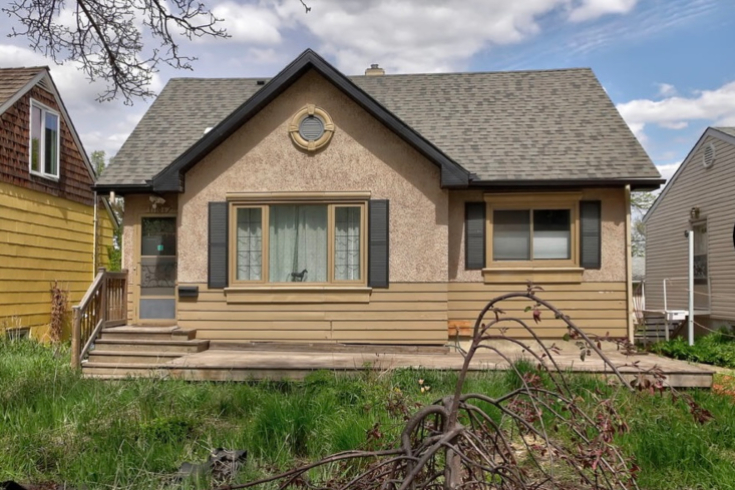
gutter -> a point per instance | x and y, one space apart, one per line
94 237
123 189
509 184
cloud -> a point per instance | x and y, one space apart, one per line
592 9
716 107
666 90
648 19
416 36
249 23
668 170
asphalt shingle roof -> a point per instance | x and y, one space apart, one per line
730 131
526 125
13 79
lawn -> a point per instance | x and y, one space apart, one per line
58 427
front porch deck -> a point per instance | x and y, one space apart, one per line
296 361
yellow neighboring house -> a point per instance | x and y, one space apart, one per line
50 229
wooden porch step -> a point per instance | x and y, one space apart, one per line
157 346
330 347
122 370
147 333
131 357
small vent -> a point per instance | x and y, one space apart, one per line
708 158
311 128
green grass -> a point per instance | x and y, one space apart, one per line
717 349
57 427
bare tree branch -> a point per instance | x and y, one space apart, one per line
536 436
107 37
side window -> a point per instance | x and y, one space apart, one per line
44 141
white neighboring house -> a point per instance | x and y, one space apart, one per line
700 196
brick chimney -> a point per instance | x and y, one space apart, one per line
374 71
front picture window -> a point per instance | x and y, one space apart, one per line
298 243
44 145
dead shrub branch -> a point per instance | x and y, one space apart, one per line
534 437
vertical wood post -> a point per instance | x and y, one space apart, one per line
103 314
126 279
76 334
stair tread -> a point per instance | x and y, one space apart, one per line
134 329
98 352
121 365
152 342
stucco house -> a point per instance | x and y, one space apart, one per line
317 207
699 198
50 228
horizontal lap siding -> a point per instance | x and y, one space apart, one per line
408 313
666 247
42 239
597 308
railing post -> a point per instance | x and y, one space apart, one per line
126 279
76 334
104 314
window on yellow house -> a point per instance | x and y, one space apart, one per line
44 141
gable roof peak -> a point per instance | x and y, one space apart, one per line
483 128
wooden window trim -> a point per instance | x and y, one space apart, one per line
264 201
539 270
42 146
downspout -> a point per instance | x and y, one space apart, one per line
629 266
94 238
690 326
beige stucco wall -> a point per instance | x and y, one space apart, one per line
613 235
362 156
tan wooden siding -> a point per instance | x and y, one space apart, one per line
666 247
43 239
407 313
596 307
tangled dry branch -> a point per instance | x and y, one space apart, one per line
107 37
534 437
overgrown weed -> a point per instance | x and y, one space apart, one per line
56 426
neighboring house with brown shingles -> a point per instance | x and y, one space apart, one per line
47 215
315 207
700 197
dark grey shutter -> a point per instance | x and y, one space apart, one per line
590 234
379 241
217 248
474 238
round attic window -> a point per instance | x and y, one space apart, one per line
708 157
311 128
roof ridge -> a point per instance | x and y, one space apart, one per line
36 67
489 72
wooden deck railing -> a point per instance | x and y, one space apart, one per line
104 305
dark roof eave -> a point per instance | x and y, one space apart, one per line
636 184
123 189
170 179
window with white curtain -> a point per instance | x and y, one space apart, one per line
531 234
347 249
297 249
284 243
249 239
